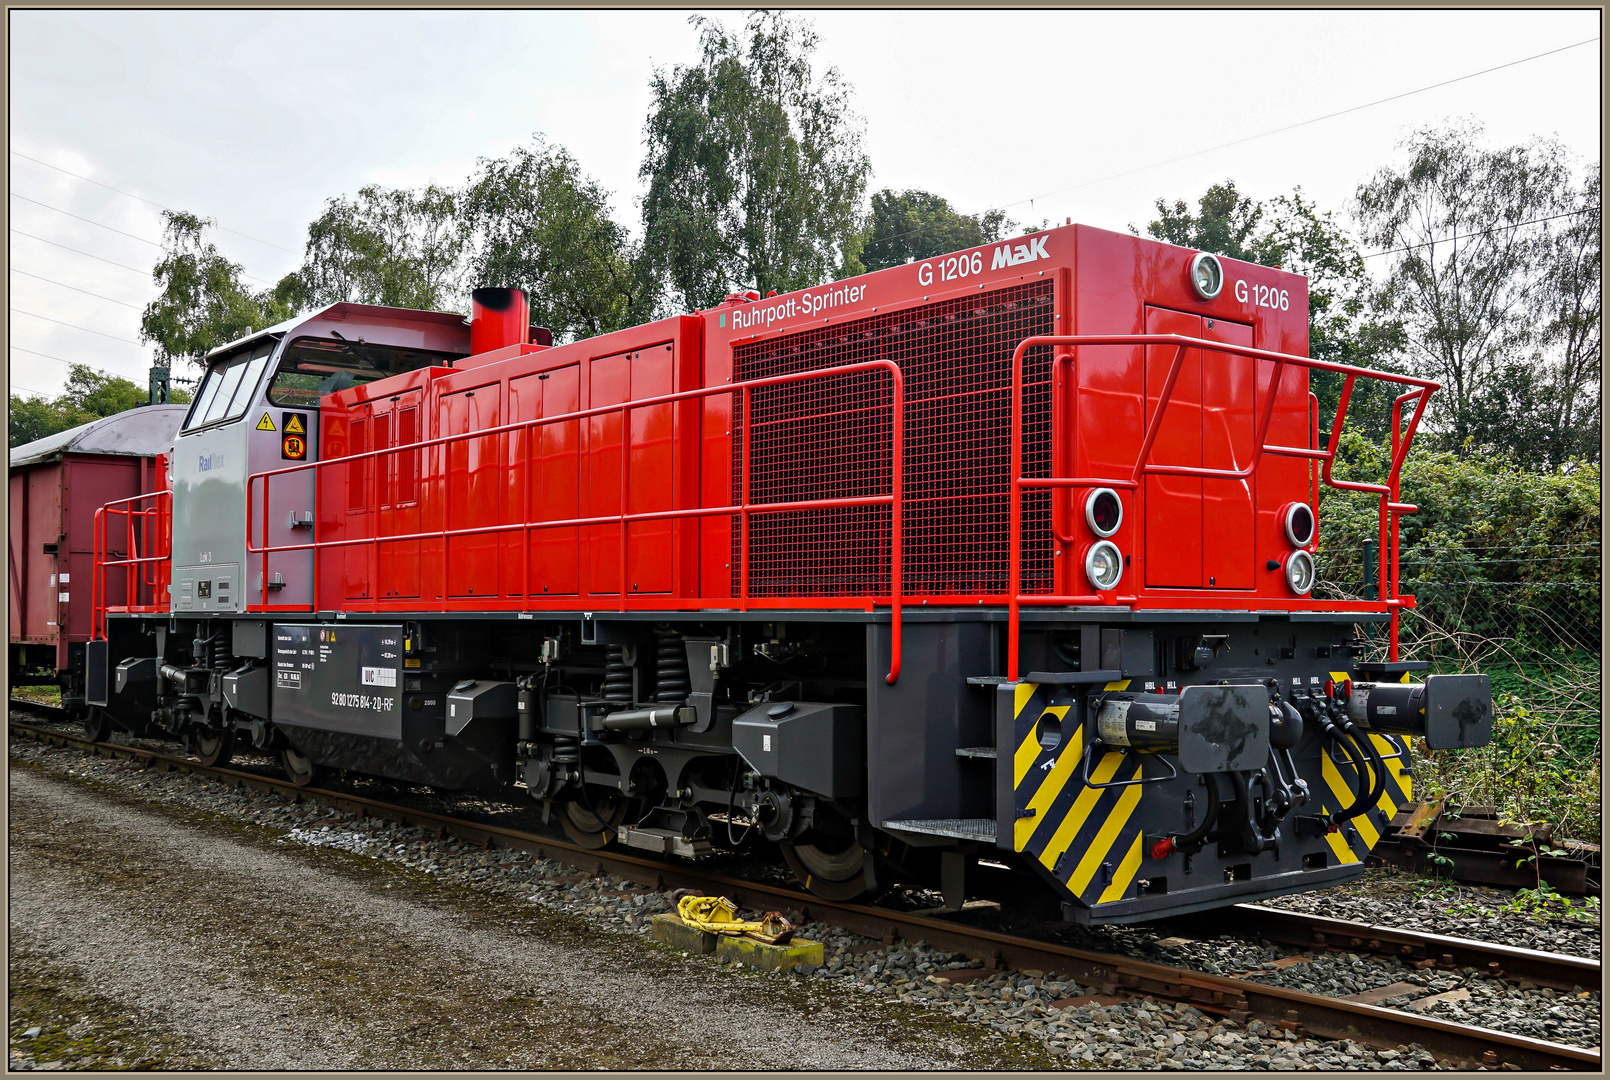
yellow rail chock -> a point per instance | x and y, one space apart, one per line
718 915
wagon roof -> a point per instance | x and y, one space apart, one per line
141 432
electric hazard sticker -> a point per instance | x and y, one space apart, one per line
266 424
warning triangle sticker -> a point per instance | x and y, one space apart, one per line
293 424
265 424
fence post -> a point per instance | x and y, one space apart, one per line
1371 587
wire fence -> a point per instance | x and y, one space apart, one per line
1539 638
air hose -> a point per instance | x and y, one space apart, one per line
1338 730
1192 841
1377 767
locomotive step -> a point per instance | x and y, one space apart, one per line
960 828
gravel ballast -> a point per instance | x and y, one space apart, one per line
298 958
866 978
1392 898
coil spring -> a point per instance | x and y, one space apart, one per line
566 750
211 651
617 674
671 680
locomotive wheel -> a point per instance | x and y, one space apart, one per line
585 827
97 724
833 871
300 769
215 746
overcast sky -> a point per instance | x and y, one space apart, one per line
254 118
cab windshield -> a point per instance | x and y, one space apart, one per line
312 367
229 387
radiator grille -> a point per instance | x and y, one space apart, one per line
830 438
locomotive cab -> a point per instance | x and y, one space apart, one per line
257 411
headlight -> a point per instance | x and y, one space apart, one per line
1300 572
1104 511
1299 525
1207 276
1104 565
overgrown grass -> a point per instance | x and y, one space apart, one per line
1534 770
45 695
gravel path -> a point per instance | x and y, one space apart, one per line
269 959
1057 1021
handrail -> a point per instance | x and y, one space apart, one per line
1388 493
135 565
744 508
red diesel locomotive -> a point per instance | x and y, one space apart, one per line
1004 556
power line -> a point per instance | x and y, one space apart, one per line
125 266
1305 123
75 288
75 326
1484 232
1276 131
80 217
69 363
75 251
143 199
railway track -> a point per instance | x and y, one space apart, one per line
1241 999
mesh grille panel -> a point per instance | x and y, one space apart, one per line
830 439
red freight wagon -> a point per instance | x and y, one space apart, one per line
57 485
1004 556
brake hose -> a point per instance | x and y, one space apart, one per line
1378 775
1191 841
1354 757
1334 723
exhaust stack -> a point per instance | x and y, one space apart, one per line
498 318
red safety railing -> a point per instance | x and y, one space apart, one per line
744 509
1388 493
146 577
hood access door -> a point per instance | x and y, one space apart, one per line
1198 530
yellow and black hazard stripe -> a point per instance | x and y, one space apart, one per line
1085 836
1340 776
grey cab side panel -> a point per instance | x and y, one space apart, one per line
212 571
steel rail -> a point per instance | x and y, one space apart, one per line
1558 971
1240 999
54 712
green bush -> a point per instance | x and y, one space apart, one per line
1504 564
1527 773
